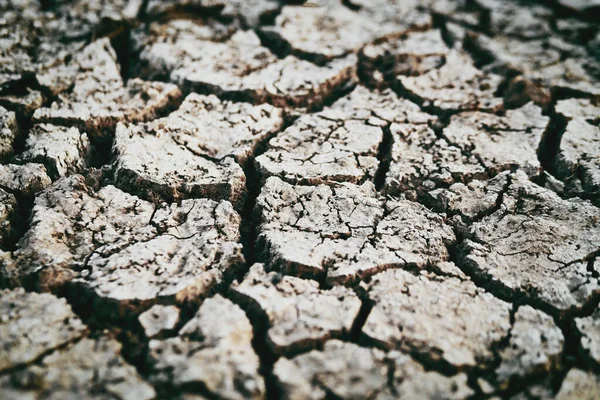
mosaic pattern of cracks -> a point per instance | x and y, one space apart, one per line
270 199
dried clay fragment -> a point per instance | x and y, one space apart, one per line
347 371
420 161
333 30
579 384
537 245
445 319
18 186
31 45
412 54
346 232
515 19
578 108
456 86
91 368
64 151
9 132
213 352
471 201
39 41
99 98
24 180
193 151
580 5
343 143
589 330
300 315
124 252
23 102
159 319
544 65
500 142
239 67
31 325
339 144
535 347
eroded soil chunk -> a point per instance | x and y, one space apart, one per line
213 351
92 368
300 314
159 319
457 85
447 320
193 151
537 245
345 232
32 325
9 132
333 29
413 54
579 384
535 346
240 67
126 252
24 180
348 371
338 144
500 142
64 151
99 98
589 330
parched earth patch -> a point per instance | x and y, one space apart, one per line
281 199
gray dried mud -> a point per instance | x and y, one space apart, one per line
281 199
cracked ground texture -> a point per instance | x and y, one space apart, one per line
287 199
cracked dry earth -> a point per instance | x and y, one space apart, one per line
362 199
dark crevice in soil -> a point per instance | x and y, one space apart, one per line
143 10
550 143
121 43
441 22
267 18
481 57
249 224
189 11
365 309
101 153
21 222
274 42
384 156
250 220
349 4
